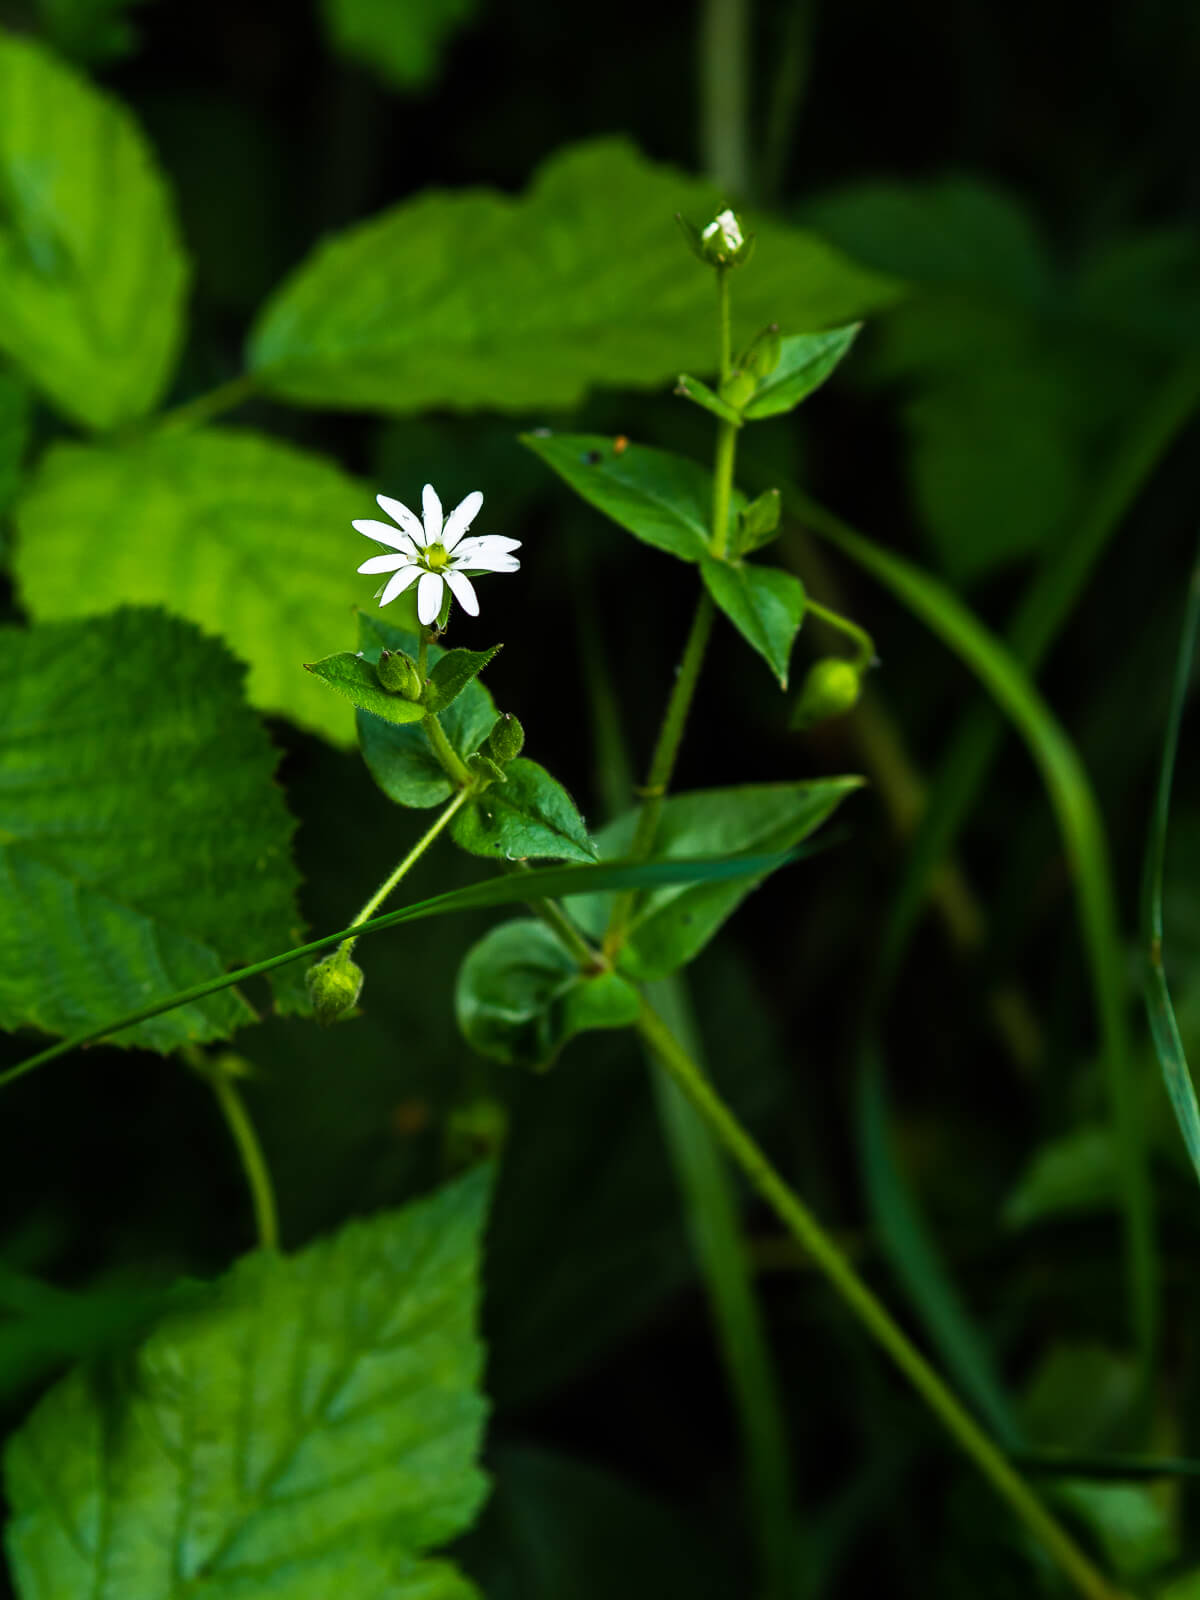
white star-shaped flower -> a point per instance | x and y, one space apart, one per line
435 552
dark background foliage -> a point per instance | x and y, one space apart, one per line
1036 184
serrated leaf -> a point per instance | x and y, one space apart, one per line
765 605
531 817
663 499
520 996
479 300
357 681
400 759
92 272
310 1430
144 846
805 361
673 924
246 536
451 674
401 43
700 394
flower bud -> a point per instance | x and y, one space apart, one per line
334 986
738 388
721 243
830 688
757 523
763 355
397 672
507 738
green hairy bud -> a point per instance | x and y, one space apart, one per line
507 738
334 986
830 688
763 355
398 674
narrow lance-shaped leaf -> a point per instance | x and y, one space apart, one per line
311 1429
357 681
143 844
92 273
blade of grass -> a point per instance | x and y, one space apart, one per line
1168 1045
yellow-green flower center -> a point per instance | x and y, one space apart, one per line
436 557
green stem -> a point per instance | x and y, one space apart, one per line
254 1165
410 860
452 763
225 397
864 641
871 1312
724 29
723 487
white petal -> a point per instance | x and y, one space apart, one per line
460 588
429 598
461 518
433 514
387 563
490 544
400 513
484 560
386 534
404 579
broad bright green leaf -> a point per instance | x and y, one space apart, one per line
765 605
357 681
528 816
309 1430
144 846
805 361
662 499
673 924
479 300
521 996
249 537
452 672
400 759
400 40
92 272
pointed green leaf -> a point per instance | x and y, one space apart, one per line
757 523
92 273
805 361
400 759
765 605
521 996
357 681
249 537
144 846
479 300
671 925
692 389
664 500
308 1430
451 674
530 816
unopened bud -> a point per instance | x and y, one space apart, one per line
334 986
737 389
398 674
507 738
721 243
757 523
830 688
763 355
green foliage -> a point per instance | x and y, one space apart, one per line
400 759
475 299
245 535
143 844
663 499
401 40
90 31
700 394
521 996
805 361
92 273
529 815
1072 1175
310 1428
672 925
357 681
765 605
16 416
451 674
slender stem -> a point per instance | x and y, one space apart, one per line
444 817
225 397
254 1164
723 486
724 30
452 763
724 325
553 915
864 641
871 1312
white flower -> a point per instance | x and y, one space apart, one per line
435 553
729 229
